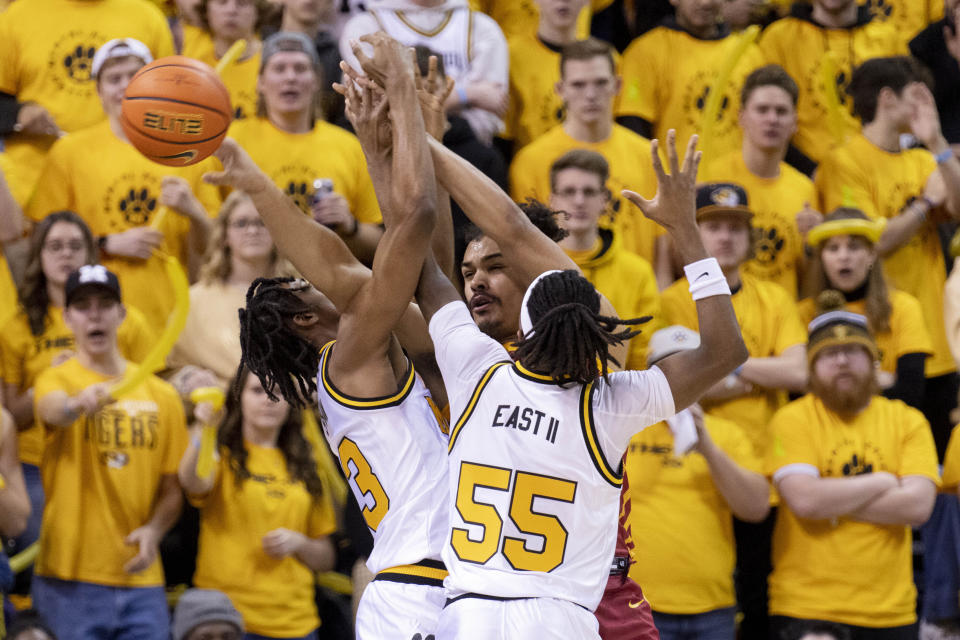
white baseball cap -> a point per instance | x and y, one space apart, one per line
120 48
670 340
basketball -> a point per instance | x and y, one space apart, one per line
176 111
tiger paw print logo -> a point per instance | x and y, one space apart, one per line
70 64
300 193
818 87
137 205
850 458
880 9
857 466
696 99
769 245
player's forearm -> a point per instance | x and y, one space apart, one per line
746 492
950 171
58 409
902 227
20 405
169 503
910 504
363 243
318 554
11 216
193 484
787 371
413 192
825 498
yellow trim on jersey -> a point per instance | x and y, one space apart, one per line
590 437
442 421
536 377
468 411
429 34
417 570
470 36
363 403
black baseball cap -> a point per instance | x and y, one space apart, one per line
91 276
722 198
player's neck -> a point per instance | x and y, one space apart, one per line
835 19
588 131
108 363
292 122
581 240
55 295
244 272
557 35
882 135
763 163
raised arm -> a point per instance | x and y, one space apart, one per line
691 373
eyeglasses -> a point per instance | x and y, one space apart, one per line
588 192
56 246
243 223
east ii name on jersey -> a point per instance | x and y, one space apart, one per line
526 419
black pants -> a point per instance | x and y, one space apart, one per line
784 628
754 564
939 399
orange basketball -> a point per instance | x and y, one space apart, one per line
176 111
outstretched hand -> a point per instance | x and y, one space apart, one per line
367 110
239 169
674 205
432 92
391 62
924 119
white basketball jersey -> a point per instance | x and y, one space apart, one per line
534 496
450 38
394 456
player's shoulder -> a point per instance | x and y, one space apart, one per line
484 24
791 177
893 411
772 294
902 302
799 412
785 26
65 372
161 389
651 40
623 135
547 142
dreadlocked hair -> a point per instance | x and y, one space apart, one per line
540 215
281 359
297 452
570 340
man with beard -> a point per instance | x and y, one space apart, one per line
856 471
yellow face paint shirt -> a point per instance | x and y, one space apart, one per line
629 157
879 183
844 570
522 17
295 160
24 356
274 595
48 61
101 476
908 17
120 191
770 325
691 573
668 76
775 203
239 77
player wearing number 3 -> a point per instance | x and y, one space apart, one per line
533 456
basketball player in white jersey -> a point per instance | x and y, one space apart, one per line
534 495
472 46
377 414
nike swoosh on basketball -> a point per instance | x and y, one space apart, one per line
634 605
187 156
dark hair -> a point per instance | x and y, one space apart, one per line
876 74
583 159
569 336
771 75
797 630
277 355
587 50
876 301
33 290
27 620
543 218
297 452
423 60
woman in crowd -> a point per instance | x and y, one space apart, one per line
37 337
845 260
265 519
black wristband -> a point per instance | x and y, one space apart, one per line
102 244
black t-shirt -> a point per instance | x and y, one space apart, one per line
929 47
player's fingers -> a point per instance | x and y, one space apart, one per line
636 199
690 155
672 161
218 178
432 74
655 159
358 51
449 89
340 88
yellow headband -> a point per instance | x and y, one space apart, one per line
869 229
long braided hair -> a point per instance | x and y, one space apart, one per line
570 341
278 356
297 452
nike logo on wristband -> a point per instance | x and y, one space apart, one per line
705 273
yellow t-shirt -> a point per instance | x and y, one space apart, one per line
775 203
770 324
686 560
275 596
211 337
907 334
535 107
197 43
8 291
881 183
782 41
909 17
951 462
47 48
116 191
239 77
295 160
667 78
629 157
627 281
24 356
522 17
101 476
843 570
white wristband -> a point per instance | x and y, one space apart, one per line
706 279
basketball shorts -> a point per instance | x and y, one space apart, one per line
398 611
521 619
